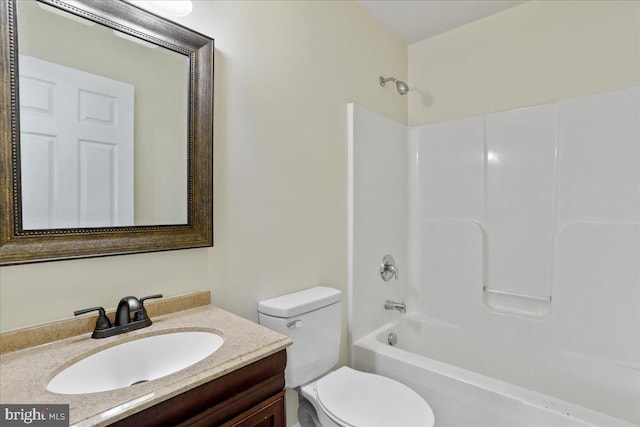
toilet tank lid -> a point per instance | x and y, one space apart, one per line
297 303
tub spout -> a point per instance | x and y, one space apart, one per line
392 305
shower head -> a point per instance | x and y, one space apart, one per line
401 86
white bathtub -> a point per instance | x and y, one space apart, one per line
461 397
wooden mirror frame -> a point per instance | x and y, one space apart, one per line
18 246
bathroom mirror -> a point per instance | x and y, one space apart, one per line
107 131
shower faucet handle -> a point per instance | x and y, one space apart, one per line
388 268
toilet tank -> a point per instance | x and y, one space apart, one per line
312 318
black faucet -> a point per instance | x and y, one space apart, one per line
124 323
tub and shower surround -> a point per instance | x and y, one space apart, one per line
522 244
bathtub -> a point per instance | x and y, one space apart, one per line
459 396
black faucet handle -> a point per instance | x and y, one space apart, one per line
142 313
102 322
143 299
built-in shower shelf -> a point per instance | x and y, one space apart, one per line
532 306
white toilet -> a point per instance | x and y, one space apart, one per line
345 397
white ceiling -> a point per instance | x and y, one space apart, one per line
416 20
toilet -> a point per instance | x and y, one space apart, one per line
312 318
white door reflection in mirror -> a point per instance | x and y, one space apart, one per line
76 147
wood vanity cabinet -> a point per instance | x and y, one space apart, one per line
252 396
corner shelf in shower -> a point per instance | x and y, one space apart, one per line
531 306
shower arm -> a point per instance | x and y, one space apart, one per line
388 79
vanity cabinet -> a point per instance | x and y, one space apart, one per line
252 396
268 414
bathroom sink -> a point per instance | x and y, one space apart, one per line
135 362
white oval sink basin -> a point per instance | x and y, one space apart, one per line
135 362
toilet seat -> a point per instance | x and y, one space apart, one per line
355 399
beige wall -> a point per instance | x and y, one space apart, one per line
534 53
284 74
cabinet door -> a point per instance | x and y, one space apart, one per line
240 393
269 413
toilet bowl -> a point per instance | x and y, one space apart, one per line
344 397
347 397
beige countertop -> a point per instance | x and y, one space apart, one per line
24 374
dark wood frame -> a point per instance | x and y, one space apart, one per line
19 246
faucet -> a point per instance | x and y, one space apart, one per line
128 305
392 305
124 323
388 268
